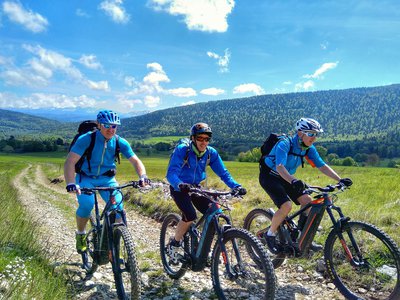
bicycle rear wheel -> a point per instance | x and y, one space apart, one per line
126 270
90 259
257 222
244 278
174 268
374 272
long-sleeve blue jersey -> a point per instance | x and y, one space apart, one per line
193 172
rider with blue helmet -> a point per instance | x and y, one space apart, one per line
101 169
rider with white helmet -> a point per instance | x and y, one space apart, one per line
277 175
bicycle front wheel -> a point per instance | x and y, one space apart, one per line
235 273
126 270
258 222
370 272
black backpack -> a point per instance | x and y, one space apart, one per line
271 141
85 127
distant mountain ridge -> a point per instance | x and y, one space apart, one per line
242 123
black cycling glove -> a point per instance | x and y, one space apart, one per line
298 185
72 187
239 191
185 187
144 180
345 182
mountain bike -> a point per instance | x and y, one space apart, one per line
234 271
111 241
362 261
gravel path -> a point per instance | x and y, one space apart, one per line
54 211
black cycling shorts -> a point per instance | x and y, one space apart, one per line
278 188
187 203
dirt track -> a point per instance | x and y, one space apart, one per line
54 211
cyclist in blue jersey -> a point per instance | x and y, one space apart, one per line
277 175
101 169
187 167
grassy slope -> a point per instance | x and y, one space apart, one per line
22 263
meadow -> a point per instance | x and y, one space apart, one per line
374 198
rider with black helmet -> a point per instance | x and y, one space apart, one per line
187 167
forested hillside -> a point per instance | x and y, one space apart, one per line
364 120
352 114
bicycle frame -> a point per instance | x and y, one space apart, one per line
321 203
106 229
211 226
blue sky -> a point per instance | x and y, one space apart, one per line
150 55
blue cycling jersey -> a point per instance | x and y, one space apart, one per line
194 171
103 154
280 155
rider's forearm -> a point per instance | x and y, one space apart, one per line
284 173
328 171
138 165
69 172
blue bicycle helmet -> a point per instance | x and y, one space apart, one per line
200 128
108 117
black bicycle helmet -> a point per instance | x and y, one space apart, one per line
200 128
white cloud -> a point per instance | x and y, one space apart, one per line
90 62
182 92
81 13
152 101
39 70
191 102
212 91
248 88
304 86
222 61
40 100
129 81
99 85
115 9
27 18
202 15
321 70
128 103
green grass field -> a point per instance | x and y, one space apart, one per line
374 197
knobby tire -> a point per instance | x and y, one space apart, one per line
257 222
377 275
248 279
127 274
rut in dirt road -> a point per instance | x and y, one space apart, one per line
54 211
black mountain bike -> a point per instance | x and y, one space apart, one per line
235 272
362 261
112 242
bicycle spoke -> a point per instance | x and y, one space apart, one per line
373 272
244 278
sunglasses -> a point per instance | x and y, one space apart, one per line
108 126
202 139
311 134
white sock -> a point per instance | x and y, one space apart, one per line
270 233
81 232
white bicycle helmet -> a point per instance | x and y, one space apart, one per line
308 124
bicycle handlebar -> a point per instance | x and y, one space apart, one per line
327 189
134 184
